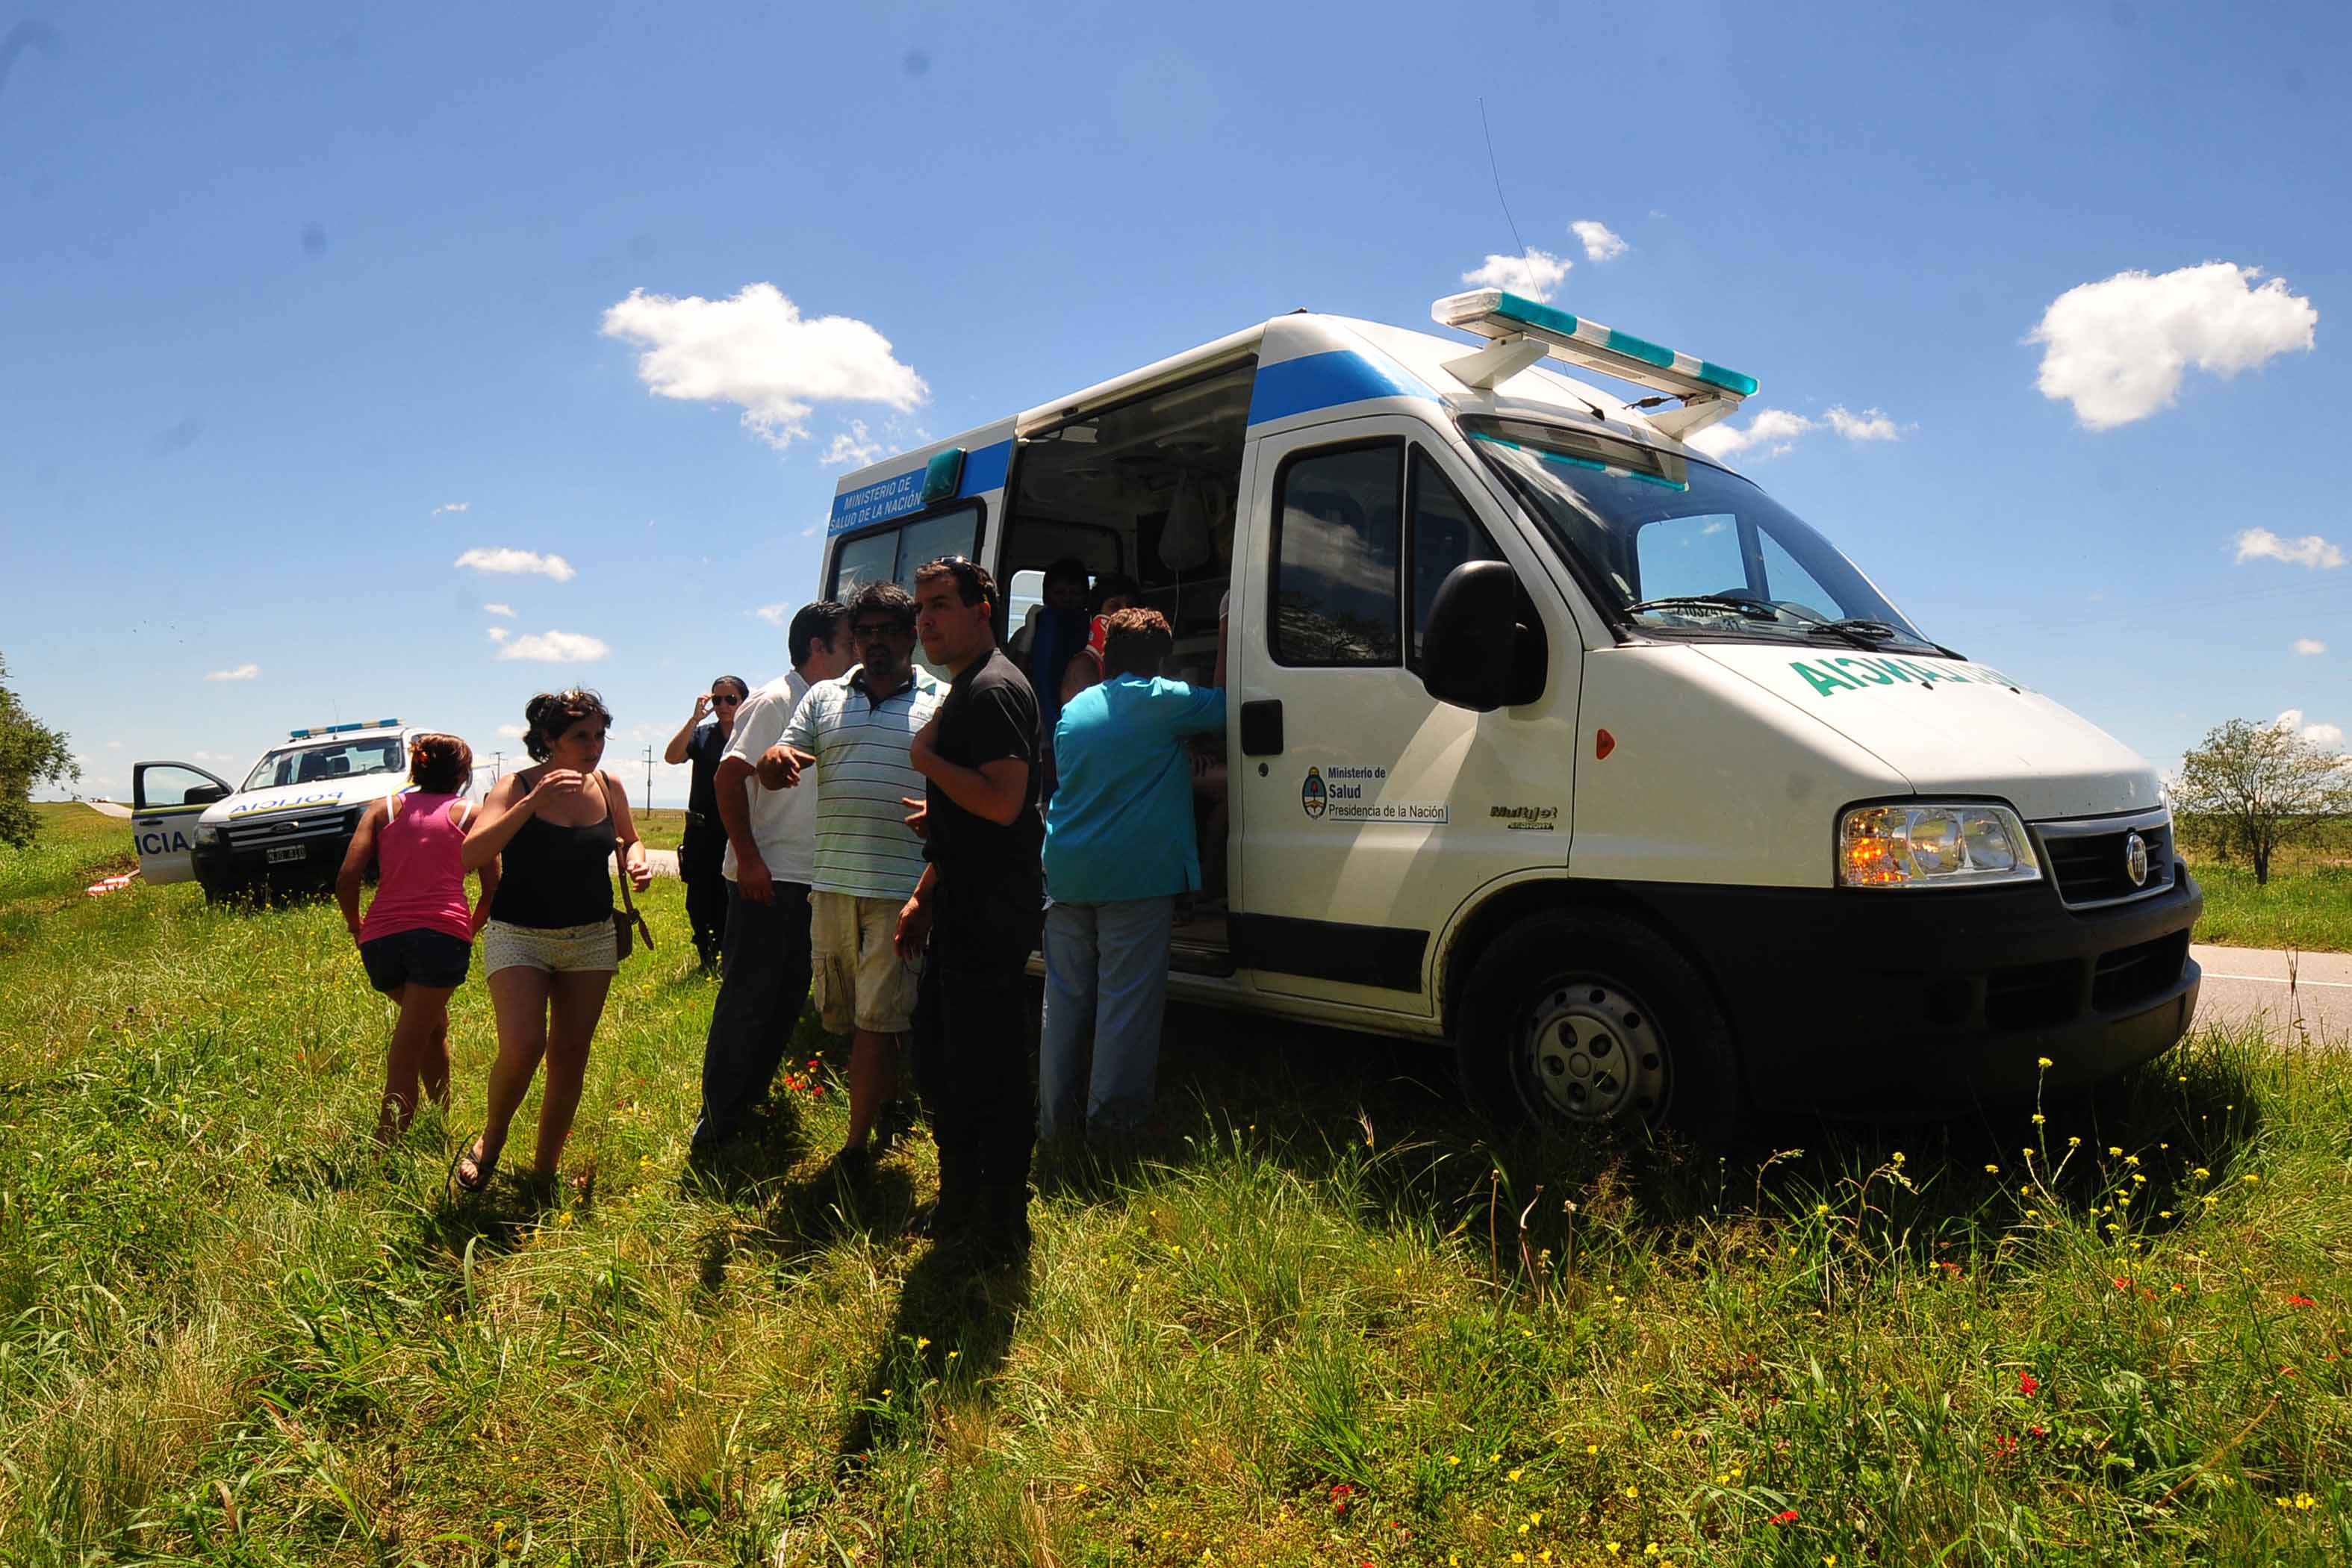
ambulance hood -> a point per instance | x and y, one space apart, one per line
322 795
1953 728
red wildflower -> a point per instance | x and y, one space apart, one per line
2300 1301
2027 1383
1340 1493
2003 1447
2036 1432
2123 1284
1786 1516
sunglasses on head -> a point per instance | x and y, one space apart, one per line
968 572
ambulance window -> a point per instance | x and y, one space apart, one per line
1789 584
873 559
1446 533
1336 557
1693 555
956 533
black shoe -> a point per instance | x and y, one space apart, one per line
854 1167
896 1121
945 1220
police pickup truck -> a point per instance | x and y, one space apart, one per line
285 830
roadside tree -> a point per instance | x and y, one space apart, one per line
31 754
2263 785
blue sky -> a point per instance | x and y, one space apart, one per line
305 303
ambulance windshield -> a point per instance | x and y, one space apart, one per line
319 764
1685 547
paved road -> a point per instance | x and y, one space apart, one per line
2254 983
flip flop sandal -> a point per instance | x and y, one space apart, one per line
484 1168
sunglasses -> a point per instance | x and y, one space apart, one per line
730 701
874 631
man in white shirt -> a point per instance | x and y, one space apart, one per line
770 862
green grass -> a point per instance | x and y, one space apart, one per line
2306 905
230 1334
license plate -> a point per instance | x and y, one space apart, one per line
281 853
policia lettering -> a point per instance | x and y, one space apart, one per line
1828 677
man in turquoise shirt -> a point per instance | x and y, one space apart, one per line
1120 848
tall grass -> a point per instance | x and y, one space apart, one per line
1327 1323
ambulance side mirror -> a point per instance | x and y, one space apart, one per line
204 795
1476 653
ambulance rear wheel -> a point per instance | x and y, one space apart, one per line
1575 1021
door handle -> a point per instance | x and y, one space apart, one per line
1261 727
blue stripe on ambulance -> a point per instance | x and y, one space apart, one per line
900 494
1325 381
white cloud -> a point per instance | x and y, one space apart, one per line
506 610
854 446
512 731
776 615
452 506
2307 647
1600 243
756 350
1536 275
2328 735
519 560
2116 349
1772 429
499 634
2262 544
242 672
1870 425
552 647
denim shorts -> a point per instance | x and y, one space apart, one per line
421 957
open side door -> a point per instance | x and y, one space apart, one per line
166 798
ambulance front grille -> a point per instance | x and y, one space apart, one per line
300 828
2090 860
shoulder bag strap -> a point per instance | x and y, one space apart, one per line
620 856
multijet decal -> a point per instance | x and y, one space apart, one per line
1858 672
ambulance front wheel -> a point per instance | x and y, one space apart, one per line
1574 1020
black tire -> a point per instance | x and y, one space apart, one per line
1576 1021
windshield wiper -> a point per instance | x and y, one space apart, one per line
1859 632
1748 609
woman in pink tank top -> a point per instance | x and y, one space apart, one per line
418 935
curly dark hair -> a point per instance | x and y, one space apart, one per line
440 764
1136 642
546 715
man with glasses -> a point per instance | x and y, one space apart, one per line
771 842
700 745
853 736
979 904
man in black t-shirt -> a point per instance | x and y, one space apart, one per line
704 845
979 905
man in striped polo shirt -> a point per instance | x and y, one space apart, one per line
852 736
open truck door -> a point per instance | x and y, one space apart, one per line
166 799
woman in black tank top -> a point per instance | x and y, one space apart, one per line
549 946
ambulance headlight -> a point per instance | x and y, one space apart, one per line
1933 846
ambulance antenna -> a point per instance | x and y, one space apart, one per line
1496 169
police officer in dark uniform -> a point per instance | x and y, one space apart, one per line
700 742
979 905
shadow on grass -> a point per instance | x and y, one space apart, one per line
1384 1121
952 1330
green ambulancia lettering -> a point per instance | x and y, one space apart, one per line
1828 682
1870 666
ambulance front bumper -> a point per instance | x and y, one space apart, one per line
294 852
1862 1003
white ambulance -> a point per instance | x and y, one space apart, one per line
285 830
1555 738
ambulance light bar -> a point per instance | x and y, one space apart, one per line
1511 318
339 728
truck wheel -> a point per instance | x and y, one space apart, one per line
1573 1021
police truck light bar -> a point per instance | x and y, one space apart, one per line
1524 331
339 728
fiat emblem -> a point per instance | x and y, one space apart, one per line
2136 859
